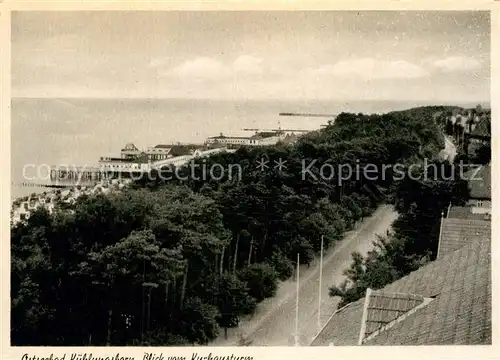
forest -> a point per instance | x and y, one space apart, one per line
175 262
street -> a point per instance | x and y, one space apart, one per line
273 324
450 151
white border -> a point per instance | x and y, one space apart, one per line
440 352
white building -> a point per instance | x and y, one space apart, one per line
259 139
130 151
118 165
159 152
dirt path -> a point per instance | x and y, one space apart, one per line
273 324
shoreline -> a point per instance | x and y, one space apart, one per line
22 206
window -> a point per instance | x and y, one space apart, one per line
480 203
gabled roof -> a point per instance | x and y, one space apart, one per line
479 182
130 147
382 308
460 313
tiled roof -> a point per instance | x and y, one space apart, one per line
460 313
383 308
463 212
479 182
344 326
459 232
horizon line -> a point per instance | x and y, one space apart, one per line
433 102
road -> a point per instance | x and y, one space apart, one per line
273 324
450 151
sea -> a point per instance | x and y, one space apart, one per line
78 132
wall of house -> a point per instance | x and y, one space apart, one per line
130 154
155 154
120 166
480 206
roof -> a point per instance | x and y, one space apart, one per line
479 182
459 284
463 212
343 328
130 147
483 128
459 232
115 159
161 146
180 150
382 308
264 135
229 137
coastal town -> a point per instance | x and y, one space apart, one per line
112 174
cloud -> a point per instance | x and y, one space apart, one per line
457 64
202 67
371 69
247 64
210 68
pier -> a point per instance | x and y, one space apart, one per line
85 175
61 176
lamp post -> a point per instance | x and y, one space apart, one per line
297 305
319 284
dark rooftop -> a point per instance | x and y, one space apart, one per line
463 212
459 232
228 137
183 149
456 309
114 159
264 135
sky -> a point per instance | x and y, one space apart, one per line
342 55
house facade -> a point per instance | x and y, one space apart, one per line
479 184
